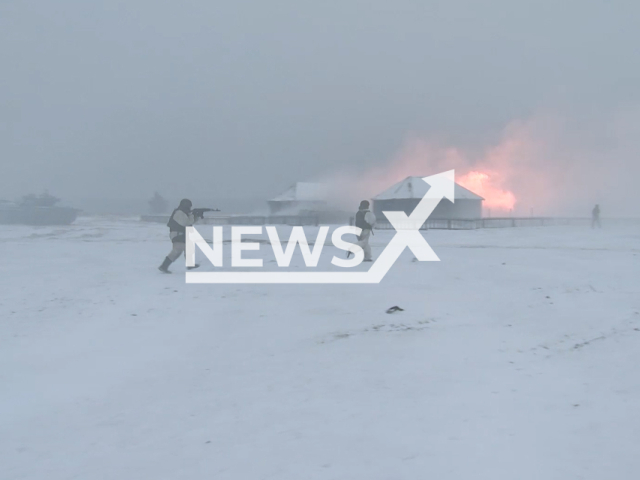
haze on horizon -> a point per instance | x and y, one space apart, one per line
214 99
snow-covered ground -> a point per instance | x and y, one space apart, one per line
516 358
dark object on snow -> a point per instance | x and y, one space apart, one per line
395 309
43 200
36 210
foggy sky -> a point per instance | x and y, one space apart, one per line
242 98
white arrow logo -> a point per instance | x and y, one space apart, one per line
407 236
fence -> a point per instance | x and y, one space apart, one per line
296 220
303 220
510 222
432 223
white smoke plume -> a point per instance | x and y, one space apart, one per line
546 165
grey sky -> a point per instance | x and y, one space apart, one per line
121 98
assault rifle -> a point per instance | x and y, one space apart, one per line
199 212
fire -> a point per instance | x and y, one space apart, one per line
485 186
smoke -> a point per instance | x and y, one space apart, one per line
487 186
546 165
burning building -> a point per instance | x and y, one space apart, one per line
405 195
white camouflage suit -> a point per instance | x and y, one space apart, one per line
363 239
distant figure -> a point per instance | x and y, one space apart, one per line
181 218
365 220
595 217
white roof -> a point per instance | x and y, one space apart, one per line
415 187
303 191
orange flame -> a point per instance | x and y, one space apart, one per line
485 186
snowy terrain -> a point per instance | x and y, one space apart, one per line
516 358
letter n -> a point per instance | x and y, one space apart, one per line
213 253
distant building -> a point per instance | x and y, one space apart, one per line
405 195
303 201
302 196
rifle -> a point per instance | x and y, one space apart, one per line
199 212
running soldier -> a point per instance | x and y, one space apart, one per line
181 218
365 220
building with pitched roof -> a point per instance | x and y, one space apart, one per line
405 195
